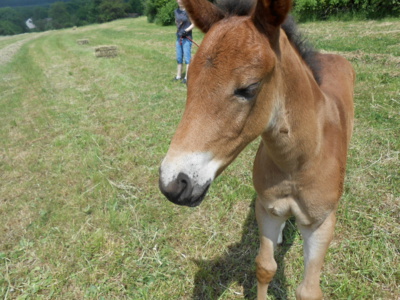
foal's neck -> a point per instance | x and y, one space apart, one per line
294 134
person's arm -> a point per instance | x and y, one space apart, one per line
189 28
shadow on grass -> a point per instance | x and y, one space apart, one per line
237 265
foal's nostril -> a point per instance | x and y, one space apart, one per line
183 190
183 180
179 190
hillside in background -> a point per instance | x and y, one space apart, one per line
19 3
52 14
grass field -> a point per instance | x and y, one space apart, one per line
81 140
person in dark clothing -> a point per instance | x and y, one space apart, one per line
183 40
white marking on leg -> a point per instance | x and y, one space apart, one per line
280 238
270 227
316 243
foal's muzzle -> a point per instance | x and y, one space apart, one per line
183 191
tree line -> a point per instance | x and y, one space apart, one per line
161 11
62 14
16 3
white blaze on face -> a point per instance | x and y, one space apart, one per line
200 167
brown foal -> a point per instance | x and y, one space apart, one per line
252 76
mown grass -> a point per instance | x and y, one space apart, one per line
81 140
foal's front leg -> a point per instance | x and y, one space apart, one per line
270 228
316 243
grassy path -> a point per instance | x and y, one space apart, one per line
11 44
81 139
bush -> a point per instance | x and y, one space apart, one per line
136 6
60 16
110 10
160 11
306 10
9 28
165 15
382 8
150 10
11 21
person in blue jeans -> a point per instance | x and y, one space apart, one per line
183 40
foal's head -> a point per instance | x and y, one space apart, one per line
234 84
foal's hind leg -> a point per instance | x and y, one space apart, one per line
270 228
316 243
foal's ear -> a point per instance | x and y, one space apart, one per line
270 14
203 13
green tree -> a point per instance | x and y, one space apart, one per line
324 9
160 11
92 8
111 10
165 15
40 13
12 15
11 22
9 28
136 6
80 12
150 10
59 14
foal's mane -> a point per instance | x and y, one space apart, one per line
303 46
299 42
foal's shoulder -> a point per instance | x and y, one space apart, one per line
334 63
335 69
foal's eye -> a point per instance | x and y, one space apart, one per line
248 92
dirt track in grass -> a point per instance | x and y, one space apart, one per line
7 53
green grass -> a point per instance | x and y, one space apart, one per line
81 140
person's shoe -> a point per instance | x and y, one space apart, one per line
184 81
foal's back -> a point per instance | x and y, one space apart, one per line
338 78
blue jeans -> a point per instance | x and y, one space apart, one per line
183 49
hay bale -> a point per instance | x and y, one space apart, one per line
106 51
83 42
